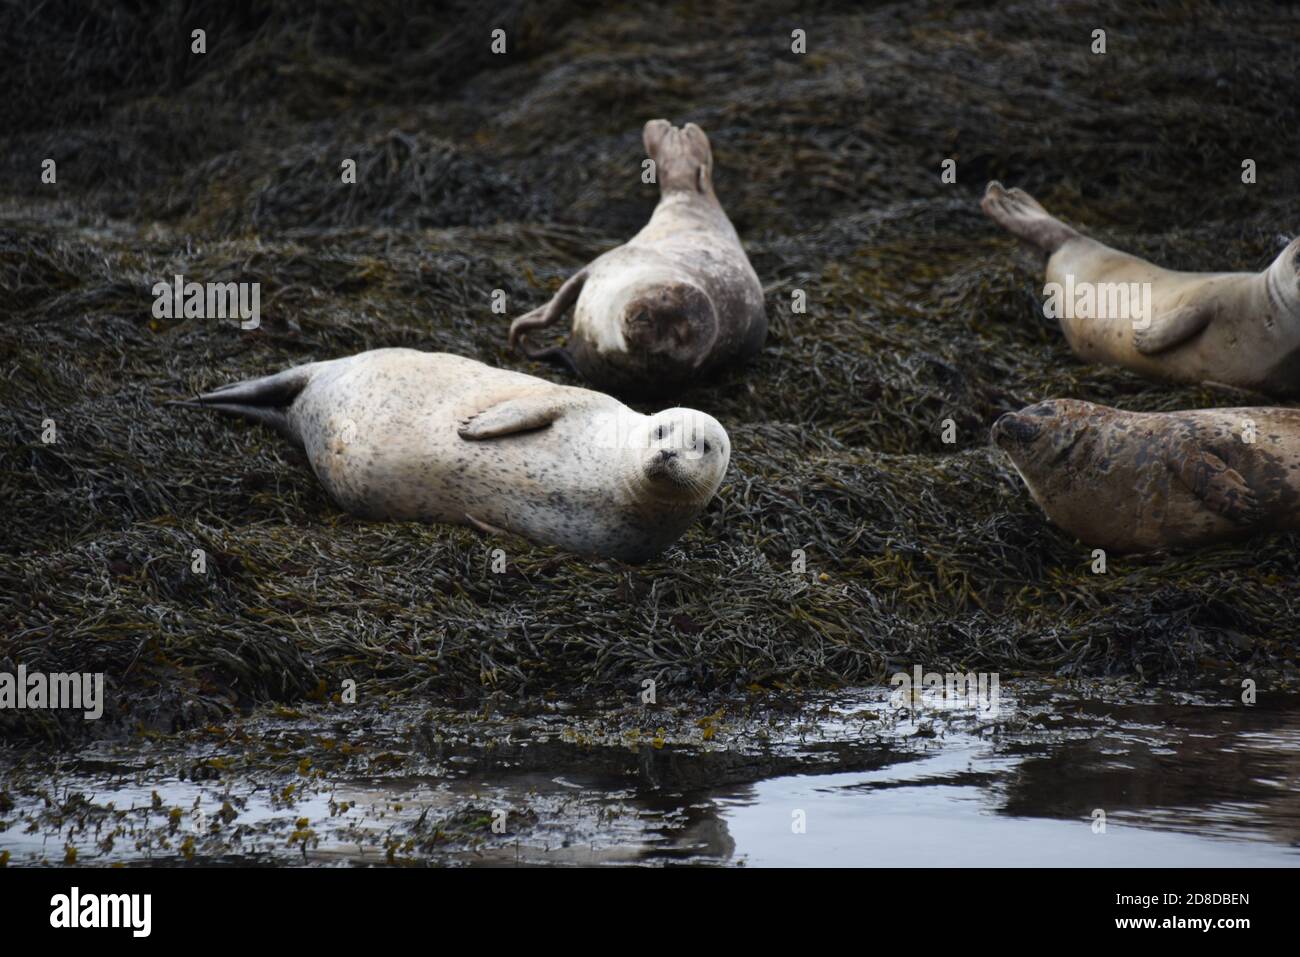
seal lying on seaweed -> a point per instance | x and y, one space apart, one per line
1240 329
1140 481
403 434
675 301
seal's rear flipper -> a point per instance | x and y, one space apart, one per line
557 354
1025 218
521 414
548 314
1172 329
265 399
1221 488
683 157
275 418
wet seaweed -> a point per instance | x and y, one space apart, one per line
479 173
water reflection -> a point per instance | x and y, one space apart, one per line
839 781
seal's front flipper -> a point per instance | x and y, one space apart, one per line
485 527
1171 329
521 414
1221 488
548 314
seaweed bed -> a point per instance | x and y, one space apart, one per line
479 172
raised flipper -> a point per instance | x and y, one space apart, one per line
1172 328
1221 488
683 157
520 414
265 399
1025 218
546 315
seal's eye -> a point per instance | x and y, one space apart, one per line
660 434
707 448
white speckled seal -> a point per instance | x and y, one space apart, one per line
677 300
403 434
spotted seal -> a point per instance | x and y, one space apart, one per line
1141 481
409 435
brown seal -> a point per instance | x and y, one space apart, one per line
1241 329
1140 481
409 435
674 302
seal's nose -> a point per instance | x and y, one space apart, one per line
1011 428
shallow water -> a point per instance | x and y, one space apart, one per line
1181 780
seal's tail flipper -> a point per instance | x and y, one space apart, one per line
266 399
546 315
1025 218
683 157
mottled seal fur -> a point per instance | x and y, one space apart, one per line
1140 481
671 304
403 434
1241 329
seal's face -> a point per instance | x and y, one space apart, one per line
675 319
1283 279
1043 436
683 454
683 158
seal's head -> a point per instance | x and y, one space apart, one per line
674 318
681 455
1046 436
683 158
1282 279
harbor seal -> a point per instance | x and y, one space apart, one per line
1141 481
409 435
1239 329
674 302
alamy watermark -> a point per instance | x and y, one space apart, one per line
130 911
36 690
931 691
1099 300
214 300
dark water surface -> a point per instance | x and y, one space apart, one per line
1181 780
